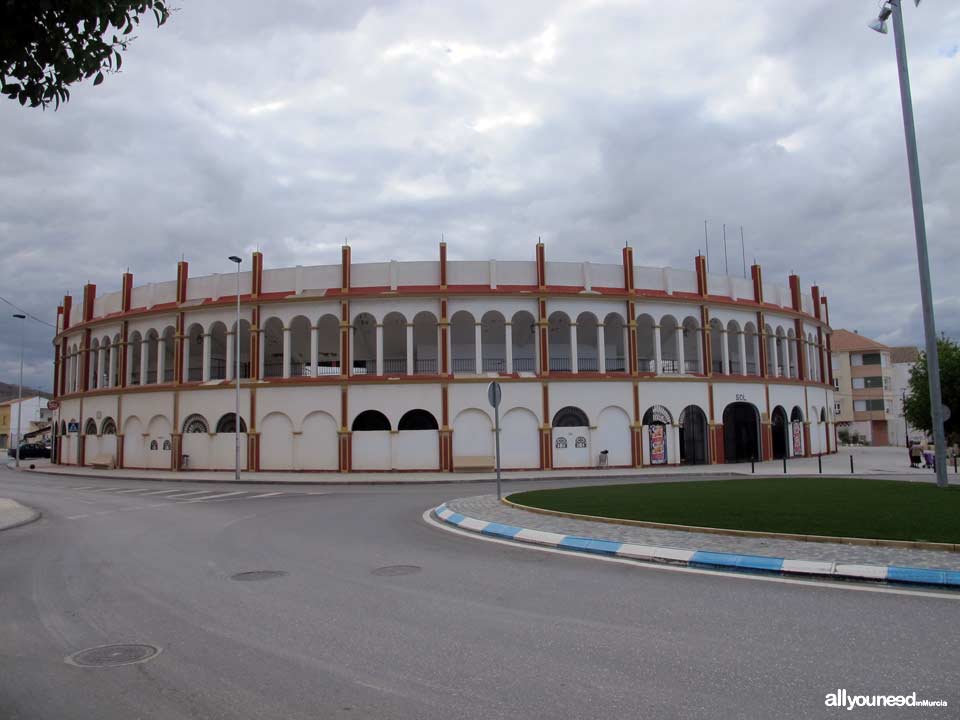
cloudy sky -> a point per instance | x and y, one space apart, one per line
294 125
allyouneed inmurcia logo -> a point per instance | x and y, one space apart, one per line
842 699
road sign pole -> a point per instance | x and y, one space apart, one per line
496 420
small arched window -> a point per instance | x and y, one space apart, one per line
154 445
657 414
90 427
370 421
570 417
418 420
196 424
796 415
228 424
108 427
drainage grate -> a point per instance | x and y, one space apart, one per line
252 575
394 570
113 655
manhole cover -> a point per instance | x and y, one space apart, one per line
257 575
394 570
113 655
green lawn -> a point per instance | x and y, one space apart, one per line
848 507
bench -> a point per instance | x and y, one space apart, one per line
102 462
474 463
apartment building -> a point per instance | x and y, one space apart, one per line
863 381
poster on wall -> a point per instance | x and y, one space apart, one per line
797 439
658 444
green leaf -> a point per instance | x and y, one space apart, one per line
99 78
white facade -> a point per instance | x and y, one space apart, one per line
384 367
31 411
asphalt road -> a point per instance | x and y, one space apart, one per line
482 630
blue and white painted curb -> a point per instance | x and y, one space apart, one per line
702 558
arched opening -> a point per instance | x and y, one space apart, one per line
716 346
195 424
558 339
670 338
108 426
778 426
646 344
244 350
115 362
796 431
94 355
751 343
493 342
328 346
658 422
370 421
570 417
614 343
588 354
741 433
425 343
463 343
273 348
523 334
153 357
169 353
782 354
218 351
194 354
134 350
418 420
300 361
692 344
228 424
737 366
90 427
693 436
364 344
394 344
791 353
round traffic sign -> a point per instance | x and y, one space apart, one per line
52 405
494 394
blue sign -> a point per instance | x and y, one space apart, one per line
73 427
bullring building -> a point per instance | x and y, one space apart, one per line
384 366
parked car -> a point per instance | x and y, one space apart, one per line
30 450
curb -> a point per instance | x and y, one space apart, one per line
841 540
703 558
31 514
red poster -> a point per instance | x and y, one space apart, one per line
658 444
797 439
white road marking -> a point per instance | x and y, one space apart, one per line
134 490
221 495
161 492
85 487
254 497
427 517
182 494
76 517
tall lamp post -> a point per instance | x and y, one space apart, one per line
893 8
21 318
236 372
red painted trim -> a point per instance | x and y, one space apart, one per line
700 263
183 272
795 292
443 265
628 284
89 295
126 291
815 292
67 307
541 267
757 276
345 268
256 276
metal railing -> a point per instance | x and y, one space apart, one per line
646 364
523 364
395 366
559 364
616 364
425 366
670 367
463 365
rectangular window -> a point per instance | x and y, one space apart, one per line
871 359
836 383
858 383
873 382
886 383
869 405
859 405
836 408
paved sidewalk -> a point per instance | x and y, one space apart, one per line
889 463
13 514
487 508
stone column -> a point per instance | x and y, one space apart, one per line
111 365
725 352
574 350
657 351
145 357
478 347
314 350
379 362
742 342
261 353
601 349
231 339
286 352
207 350
776 356
409 348
508 341
680 356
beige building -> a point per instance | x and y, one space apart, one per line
863 381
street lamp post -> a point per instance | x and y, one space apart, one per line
893 8
21 318
236 372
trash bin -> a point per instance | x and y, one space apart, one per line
604 457
184 462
